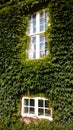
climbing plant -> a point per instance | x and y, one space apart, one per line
51 75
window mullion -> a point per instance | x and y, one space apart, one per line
37 46
36 107
44 20
37 22
37 36
30 48
29 106
44 107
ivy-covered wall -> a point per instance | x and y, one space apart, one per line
51 76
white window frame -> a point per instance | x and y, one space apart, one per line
36 108
37 34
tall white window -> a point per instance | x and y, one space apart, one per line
36 107
36 28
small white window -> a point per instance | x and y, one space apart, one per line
36 107
36 27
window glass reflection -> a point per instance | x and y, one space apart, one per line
34 23
40 103
42 22
46 103
47 112
25 109
32 102
32 111
26 102
40 112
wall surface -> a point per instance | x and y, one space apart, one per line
51 76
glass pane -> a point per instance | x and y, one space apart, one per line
41 27
40 103
29 25
46 103
34 29
42 53
34 47
42 43
34 23
46 19
47 112
40 112
32 102
34 19
42 46
41 17
26 102
42 38
42 22
34 55
31 110
33 39
25 109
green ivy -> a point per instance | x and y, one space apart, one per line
51 76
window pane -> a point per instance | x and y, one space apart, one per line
46 19
34 23
29 25
47 112
26 102
41 27
25 109
40 103
34 19
42 46
42 38
42 43
46 49
42 21
40 112
32 102
46 103
33 39
33 43
31 110
42 53
34 29
34 47
42 17
34 55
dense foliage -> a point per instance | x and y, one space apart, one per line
52 75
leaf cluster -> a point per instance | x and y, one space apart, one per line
51 75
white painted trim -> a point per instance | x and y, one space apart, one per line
36 34
35 115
